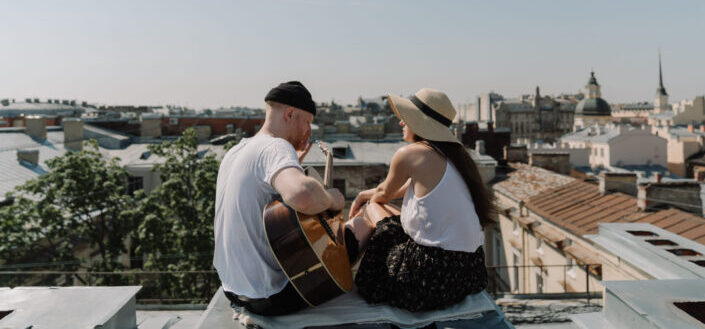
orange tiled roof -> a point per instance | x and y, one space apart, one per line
579 207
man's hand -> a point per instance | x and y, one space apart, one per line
337 199
302 153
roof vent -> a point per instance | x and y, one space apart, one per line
340 152
694 309
145 155
661 242
29 156
4 314
684 252
642 233
698 262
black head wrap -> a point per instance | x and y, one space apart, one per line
292 93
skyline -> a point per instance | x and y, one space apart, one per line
225 53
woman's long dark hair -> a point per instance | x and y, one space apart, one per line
460 158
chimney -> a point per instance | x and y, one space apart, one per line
641 202
691 128
73 134
657 177
36 127
480 146
702 127
618 182
151 126
490 127
28 156
555 161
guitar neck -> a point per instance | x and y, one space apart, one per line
328 173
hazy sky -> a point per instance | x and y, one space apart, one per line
221 53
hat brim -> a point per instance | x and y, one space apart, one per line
420 123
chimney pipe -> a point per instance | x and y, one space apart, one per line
36 127
657 176
73 134
691 128
480 146
28 156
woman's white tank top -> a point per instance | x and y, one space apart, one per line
445 217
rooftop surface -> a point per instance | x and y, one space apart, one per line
579 207
525 181
661 253
80 307
631 304
12 171
350 309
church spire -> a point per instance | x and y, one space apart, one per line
661 89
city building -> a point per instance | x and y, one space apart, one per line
619 145
592 109
682 143
657 113
535 117
547 223
494 140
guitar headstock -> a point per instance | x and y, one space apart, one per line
324 148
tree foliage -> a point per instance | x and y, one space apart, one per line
80 216
176 228
72 216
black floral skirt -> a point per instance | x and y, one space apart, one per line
398 271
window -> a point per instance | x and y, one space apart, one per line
515 274
539 245
134 183
539 282
497 248
602 152
230 128
173 121
515 227
570 267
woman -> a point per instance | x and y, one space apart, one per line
430 255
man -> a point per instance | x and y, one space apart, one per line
250 176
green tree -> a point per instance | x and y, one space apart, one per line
73 216
176 229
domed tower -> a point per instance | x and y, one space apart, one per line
592 109
661 98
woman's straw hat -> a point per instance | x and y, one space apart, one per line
428 113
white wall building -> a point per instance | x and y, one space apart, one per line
618 145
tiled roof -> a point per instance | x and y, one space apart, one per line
527 181
579 207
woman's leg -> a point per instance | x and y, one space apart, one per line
364 223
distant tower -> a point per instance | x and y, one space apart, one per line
661 98
537 98
592 109
592 89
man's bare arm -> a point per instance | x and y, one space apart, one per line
305 194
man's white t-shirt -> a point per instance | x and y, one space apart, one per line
242 257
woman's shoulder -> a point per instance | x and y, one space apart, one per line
415 148
415 152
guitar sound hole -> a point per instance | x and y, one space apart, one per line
327 227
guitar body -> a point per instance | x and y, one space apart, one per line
310 250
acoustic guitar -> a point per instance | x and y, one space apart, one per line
310 249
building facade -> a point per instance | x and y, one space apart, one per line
535 117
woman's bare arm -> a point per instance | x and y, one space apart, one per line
394 186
